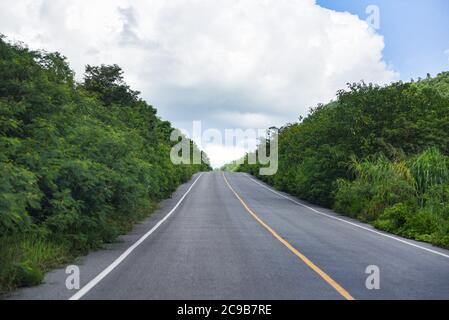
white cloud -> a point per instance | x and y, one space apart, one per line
447 53
227 62
219 155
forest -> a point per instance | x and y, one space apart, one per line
379 154
80 162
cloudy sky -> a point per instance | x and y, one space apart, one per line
237 64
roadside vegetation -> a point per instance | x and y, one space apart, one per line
231 167
378 154
79 162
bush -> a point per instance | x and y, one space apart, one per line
352 197
437 206
395 200
379 184
25 258
394 218
18 193
27 275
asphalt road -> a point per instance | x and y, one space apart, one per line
231 237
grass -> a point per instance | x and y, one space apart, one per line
25 259
409 198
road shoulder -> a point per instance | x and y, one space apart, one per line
53 286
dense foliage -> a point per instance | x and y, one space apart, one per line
79 162
376 153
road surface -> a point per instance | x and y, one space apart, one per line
229 236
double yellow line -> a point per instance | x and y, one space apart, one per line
306 260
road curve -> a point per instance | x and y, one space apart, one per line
232 237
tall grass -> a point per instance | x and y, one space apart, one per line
410 198
26 257
382 173
429 169
379 183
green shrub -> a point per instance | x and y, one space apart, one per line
352 197
18 193
26 257
27 275
379 184
394 218
437 205
430 168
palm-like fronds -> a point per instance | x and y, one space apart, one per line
430 168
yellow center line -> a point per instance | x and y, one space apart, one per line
306 260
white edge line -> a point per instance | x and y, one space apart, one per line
351 223
92 283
